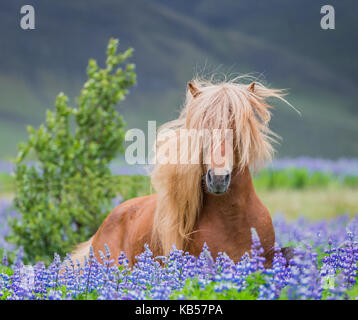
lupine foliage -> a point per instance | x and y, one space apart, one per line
64 196
324 267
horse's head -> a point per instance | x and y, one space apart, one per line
240 116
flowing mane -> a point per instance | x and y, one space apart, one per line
230 104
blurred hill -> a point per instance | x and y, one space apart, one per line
279 41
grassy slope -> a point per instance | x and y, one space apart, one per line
313 204
171 45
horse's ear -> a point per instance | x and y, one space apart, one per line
193 90
251 87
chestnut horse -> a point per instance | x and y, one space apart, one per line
203 201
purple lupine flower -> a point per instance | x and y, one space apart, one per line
4 259
157 277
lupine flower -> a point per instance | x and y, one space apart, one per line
329 274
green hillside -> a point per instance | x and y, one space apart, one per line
278 41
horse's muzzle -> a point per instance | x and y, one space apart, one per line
218 183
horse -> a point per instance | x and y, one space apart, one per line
201 202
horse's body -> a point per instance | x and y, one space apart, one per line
211 202
224 224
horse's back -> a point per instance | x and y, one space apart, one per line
127 228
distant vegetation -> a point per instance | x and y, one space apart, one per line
278 40
130 186
294 178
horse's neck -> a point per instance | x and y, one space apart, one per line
236 201
225 221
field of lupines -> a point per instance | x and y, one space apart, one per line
324 266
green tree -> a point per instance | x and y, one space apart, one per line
64 196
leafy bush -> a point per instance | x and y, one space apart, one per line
64 196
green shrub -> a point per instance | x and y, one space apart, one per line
64 196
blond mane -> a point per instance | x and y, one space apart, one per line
230 104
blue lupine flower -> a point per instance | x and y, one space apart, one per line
305 277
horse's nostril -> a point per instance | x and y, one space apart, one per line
209 175
227 177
